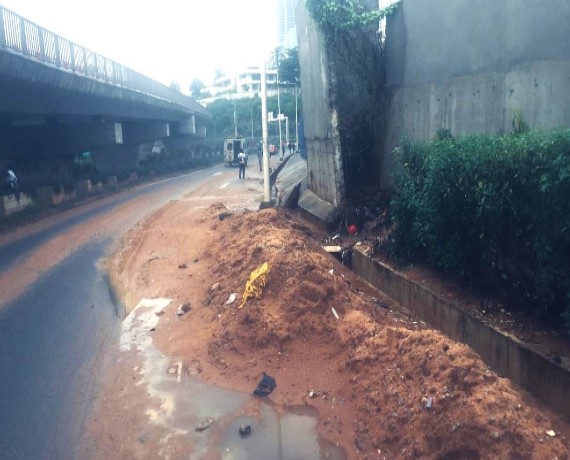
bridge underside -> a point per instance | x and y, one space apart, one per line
48 115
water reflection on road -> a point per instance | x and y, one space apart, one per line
180 402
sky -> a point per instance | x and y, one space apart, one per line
166 40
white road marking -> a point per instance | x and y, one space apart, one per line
217 174
224 186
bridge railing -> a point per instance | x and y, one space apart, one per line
25 37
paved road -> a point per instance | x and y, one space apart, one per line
60 322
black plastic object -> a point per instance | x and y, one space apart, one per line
265 386
244 430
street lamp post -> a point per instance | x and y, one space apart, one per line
296 117
279 114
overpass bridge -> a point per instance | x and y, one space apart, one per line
59 99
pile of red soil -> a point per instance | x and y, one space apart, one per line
384 384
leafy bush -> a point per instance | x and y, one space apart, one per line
493 210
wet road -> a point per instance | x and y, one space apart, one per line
57 329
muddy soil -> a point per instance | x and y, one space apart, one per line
383 383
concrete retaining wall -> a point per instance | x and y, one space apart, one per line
547 381
320 113
468 67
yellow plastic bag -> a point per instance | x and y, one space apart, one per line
257 281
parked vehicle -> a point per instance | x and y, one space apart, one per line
231 149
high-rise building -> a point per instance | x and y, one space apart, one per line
286 30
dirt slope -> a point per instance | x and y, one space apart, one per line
385 385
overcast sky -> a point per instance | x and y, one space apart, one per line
167 39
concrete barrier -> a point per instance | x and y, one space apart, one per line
9 205
526 366
111 184
85 188
46 195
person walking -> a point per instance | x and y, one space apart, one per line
241 164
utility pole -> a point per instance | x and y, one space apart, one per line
296 118
279 108
235 121
266 185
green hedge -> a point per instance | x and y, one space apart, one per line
493 210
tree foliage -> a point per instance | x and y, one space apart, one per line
175 86
289 68
196 86
337 17
248 110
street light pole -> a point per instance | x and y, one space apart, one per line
296 118
266 185
279 115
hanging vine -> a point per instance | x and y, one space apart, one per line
337 17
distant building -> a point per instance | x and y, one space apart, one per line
246 83
286 28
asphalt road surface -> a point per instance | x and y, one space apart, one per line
58 320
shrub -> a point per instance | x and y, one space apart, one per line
494 211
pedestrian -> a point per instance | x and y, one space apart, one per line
283 149
260 155
241 164
11 183
290 148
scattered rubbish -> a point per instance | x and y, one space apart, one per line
224 214
332 249
153 329
231 298
257 281
214 287
551 433
182 266
331 271
265 386
352 229
204 424
159 313
335 313
196 260
429 403
244 430
312 394
184 308
335 237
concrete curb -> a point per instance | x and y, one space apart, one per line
549 382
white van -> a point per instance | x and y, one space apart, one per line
231 149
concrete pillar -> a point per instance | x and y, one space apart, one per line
186 126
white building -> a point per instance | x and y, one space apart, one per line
246 83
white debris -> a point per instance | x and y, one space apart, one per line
231 298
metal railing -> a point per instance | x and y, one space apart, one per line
25 37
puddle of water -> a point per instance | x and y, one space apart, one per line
181 406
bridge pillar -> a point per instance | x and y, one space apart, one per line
185 127
139 132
